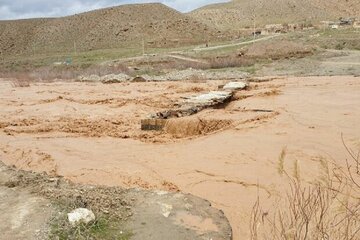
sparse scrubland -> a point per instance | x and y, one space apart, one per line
252 57
328 208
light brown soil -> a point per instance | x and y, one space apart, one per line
23 215
237 14
125 25
90 133
327 63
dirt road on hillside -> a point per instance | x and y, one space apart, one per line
90 133
235 44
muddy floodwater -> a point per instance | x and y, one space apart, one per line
90 133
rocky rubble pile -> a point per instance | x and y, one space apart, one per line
188 74
110 78
195 74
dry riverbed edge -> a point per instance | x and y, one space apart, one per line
35 206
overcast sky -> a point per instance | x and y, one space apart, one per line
18 9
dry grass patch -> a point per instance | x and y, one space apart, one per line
278 50
326 209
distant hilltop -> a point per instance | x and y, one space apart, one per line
242 13
126 25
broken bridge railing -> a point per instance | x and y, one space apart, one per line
193 105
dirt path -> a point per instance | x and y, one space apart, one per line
171 54
234 44
91 135
186 58
23 215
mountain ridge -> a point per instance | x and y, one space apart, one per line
113 27
240 13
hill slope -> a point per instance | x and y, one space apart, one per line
239 13
105 28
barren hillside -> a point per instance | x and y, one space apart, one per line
239 13
126 25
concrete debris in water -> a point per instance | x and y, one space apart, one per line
188 107
209 99
81 215
233 86
193 105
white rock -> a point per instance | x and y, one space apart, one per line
81 215
161 193
235 86
166 209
